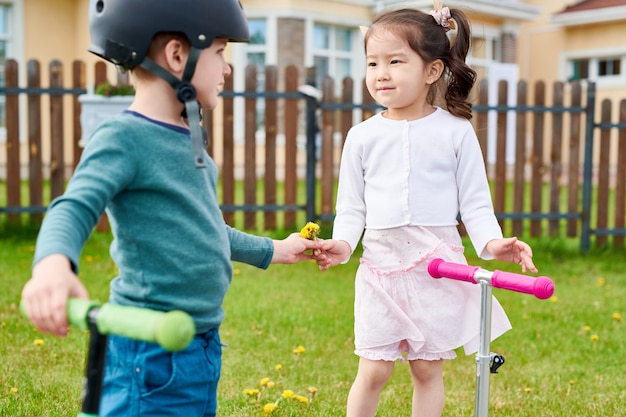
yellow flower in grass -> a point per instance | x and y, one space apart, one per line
313 390
299 350
594 337
527 390
586 328
278 367
264 381
616 317
252 392
13 390
287 394
269 408
310 231
38 342
302 399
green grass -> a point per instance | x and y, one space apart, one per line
553 367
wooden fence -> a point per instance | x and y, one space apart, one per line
568 177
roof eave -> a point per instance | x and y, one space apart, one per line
512 10
587 17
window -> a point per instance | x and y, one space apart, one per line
608 67
596 68
332 54
580 69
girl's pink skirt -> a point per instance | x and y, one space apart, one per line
401 312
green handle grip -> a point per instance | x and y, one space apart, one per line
173 330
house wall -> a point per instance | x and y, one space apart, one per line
544 46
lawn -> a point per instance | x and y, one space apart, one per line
290 328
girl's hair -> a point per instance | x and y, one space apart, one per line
429 40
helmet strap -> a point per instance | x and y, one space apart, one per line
186 94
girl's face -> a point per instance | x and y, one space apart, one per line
397 77
210 72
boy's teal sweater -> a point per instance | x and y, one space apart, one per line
171 244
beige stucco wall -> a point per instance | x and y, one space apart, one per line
543 45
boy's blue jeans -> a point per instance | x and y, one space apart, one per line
142 379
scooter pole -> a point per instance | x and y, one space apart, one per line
541 287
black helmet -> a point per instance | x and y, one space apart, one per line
121 30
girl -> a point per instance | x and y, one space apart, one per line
405 175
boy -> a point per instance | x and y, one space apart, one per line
171 245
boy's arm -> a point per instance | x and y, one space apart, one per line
263 251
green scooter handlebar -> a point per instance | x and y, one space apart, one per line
172 330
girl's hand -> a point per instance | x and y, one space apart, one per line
512 250
331 253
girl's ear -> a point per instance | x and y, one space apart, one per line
434 71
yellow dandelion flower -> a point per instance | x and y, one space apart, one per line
89 258
527 389
38 342
302 399
594 337
288 394
269 408
572 382
617 317
13 390
554 298
299 350
586 328
236 271
278 367
252 392
310 231
600 282
313 390
264 381
271 384
3 325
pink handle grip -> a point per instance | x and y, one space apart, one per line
541 287
438 268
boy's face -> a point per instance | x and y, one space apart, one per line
210 72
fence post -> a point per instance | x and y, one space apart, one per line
311 133
587 167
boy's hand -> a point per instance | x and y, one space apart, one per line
45 295
512 250
293 249
332 253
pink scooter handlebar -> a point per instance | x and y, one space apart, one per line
541 287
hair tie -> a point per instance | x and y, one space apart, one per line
441 15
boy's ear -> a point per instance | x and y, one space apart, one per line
434 71
175 54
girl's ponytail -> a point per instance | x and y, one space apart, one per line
460 76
